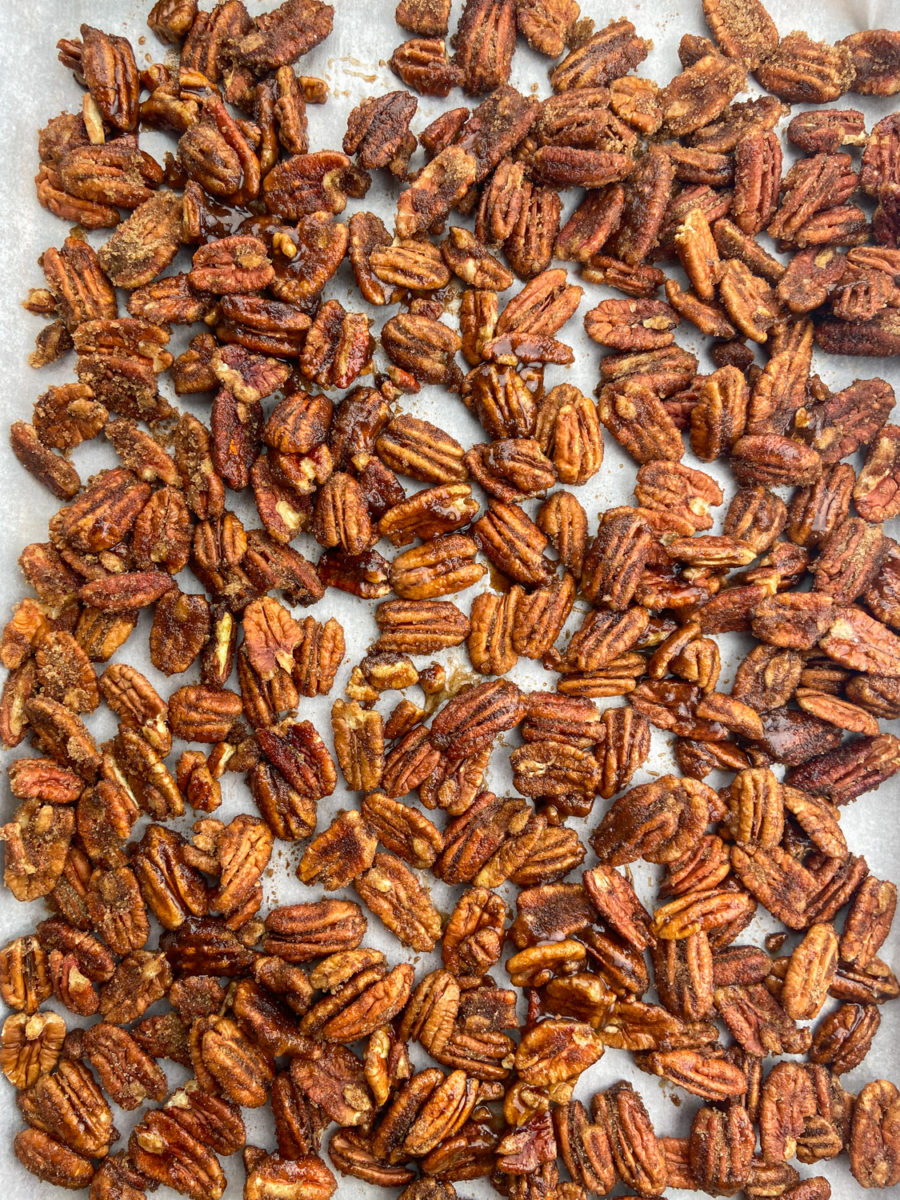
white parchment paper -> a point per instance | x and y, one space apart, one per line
33 88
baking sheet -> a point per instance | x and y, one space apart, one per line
33 88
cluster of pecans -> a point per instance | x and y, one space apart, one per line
288 1007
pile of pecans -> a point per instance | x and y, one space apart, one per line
288 1007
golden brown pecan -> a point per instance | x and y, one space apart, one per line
772 460
631 324
810 973
748 300
420 626
52 195
177 1144
843 1039
47 467
700 93
757 176
127 1074
802 71
51 1161
490 836
873 1148
66 416
144 245
568 432
742 31
24 979
490 641
395 895
428 17
475 716
639 421
658 821
553 1051
37 841
339 853
30 1046
485 42
300 932
307 1176
402 830
603 57
721 1149
431 1012
171 20
173 889
876 494
438 567
473 938
69 1105
705 1073
868 921
78 284
115 173
706 911
590 226
529 247
636 1152
422 65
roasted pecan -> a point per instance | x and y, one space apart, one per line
605 56
802 71
394 894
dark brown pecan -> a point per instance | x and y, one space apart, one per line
378 127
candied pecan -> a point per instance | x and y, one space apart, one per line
700 93
485 41
647 193
529 246
52 1161
69 1105
30 1046
114 173
171 20
636 1152
873 1153
874 56
378 127
422 64
742 31
638 420
394 894
802 71
591 225
602 58
359 744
